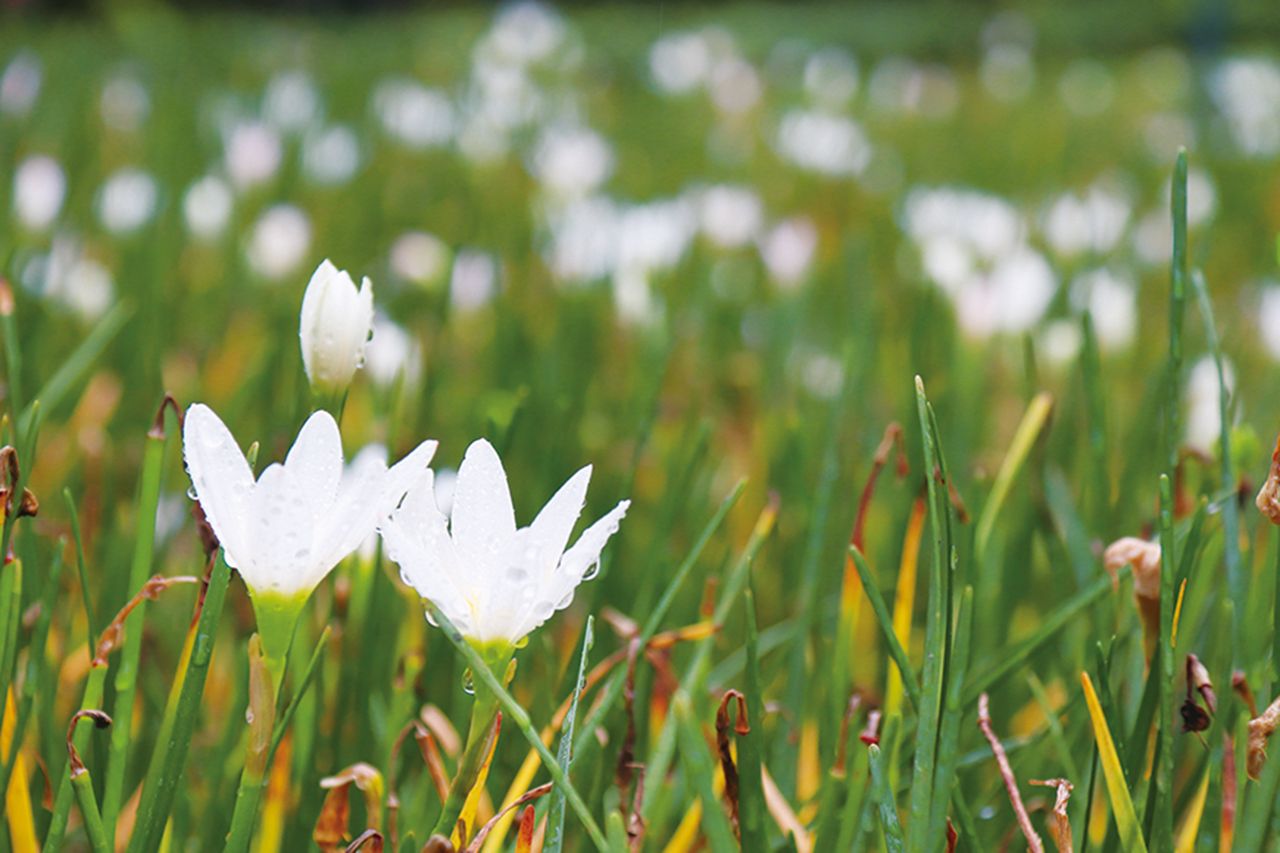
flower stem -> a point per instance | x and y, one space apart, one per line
265 675
483 712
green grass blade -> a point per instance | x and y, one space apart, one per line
910 681
169 760
933 670
1024 439
555 813
893 838
751 804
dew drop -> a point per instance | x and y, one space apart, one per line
431 620
191 493
566 601
522 642
468 683
592 571
248 716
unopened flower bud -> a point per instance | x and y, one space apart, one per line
335 326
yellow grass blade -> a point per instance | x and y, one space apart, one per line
1191 822
1117 788
904 601
17 800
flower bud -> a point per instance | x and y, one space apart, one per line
335 326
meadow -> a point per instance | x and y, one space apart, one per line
934 353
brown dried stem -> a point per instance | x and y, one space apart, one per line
1006 773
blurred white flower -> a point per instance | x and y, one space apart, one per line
730 216
821 142
331 155
831 78
334 327
253 154
1204 418
124 103
280 240
899 85
633 299
497 583
525 33
821 374
206 207
680 62
39 186
1008 72
1011 298
1112 301
69 276
391 353
1094 222
285 532
419 257
412 114
1247 93
474 281
127 200
787 250
20 84
571 161
734 85
1060 342
291 101
988 224
1269 318
1087 87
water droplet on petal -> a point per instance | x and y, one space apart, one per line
592 571
522 642
191 493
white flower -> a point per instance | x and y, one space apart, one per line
279 241
127 200
495 582
286 532
39 186
335 325
207 207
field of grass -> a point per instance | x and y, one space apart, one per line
886 326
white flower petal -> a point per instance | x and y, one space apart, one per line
222 480
315 461
483 519
283 527
417 538
585 553
549 533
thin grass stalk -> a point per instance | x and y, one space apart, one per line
170 757
126 678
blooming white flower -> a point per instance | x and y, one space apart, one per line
285 532
335 326
494 581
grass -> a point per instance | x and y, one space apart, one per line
743 423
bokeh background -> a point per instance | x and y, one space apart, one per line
689 243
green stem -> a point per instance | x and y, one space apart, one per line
99 839
483 712
265 676
126 681
514 713
62 801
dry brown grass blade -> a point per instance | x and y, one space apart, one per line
1060 826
